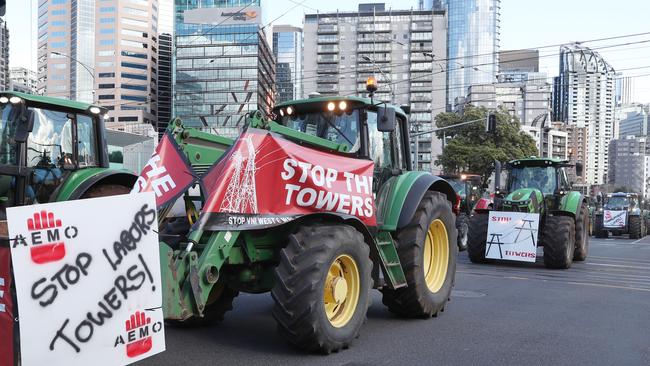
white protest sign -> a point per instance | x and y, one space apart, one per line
88 281
614 219
512 236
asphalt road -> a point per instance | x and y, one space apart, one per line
596 313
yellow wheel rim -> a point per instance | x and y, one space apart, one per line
436 256
341 293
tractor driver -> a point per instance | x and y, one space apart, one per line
541 180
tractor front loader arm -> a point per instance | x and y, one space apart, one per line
189 277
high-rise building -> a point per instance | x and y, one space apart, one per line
287 48
224 66
399 47
583 96
628 157
22 80
4 55
519 66
66 49
165 70
473 43
634 121
624 90
126 64
551 140
527 100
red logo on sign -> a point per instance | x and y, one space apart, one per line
501 219
137 329
44 229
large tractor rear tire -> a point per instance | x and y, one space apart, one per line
558 237
600 230
635 227
462 225
427 249
478 226
582 235
322 288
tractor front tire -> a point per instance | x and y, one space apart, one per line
582 235
635 227
427 250
601 233
478 226
558 237
462 225
322 287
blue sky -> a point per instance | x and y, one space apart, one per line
524 24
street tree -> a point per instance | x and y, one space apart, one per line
470 148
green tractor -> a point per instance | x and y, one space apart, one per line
319 261
539 185
620 214
469 188
53 150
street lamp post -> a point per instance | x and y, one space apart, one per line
88 68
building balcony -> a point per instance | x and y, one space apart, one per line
370 39
328 29
373 28
327 88
327 69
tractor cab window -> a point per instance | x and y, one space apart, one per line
399 144
50 143
341 128
87 151
8 123
617 201
564 180
542 178
380 144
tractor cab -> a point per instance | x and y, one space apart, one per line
534 183
352 126
42 141
621 201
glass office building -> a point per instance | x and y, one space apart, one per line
472 44
287 48
224 67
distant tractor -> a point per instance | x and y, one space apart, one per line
469 188
621 214
51 150
539 185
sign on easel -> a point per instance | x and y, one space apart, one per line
88 283
512 236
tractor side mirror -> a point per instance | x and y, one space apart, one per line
579 169
385 119
25 125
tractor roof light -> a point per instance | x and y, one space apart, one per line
331 106
343 105
281 112
4 100
289 110
15 100
371 84
94 110
463 176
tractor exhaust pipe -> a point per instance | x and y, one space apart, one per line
497 175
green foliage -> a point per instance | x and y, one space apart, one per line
116 157
470 149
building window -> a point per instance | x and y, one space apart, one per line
134 65
107 31
106 53
134 87
106 97
57 44
58 2
133 76
126 42
106 42
132 33
107 9
127 119
57 34
58 12
106 74
107 20
106 86
135 98
134 54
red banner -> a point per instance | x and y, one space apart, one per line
6 310
265 180
167 173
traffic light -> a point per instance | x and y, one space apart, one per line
491 123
